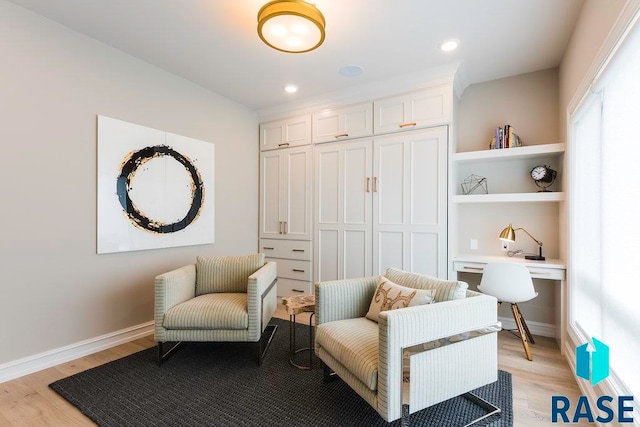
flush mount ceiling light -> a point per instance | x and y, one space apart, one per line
291 88
449 45
292 26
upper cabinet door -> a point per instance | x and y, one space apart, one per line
285 133
343 123
429 107
271 184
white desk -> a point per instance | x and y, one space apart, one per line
550 269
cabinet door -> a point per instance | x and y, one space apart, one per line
285 133
344 123
429 107
410 202
343 210
296 193
271 182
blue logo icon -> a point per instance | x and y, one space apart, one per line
597 360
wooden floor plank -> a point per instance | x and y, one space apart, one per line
29 400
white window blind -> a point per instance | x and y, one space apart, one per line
605 213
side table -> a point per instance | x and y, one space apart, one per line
295 305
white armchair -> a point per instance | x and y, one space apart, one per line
218 299
413 357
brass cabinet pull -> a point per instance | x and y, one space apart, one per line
267 248
284 144
540 273
297 270
404 125
297 250
368 180
473 268
297 290
341 135
286 227
375 184
281 227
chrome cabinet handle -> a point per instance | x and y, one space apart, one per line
368 180
297 270
407 124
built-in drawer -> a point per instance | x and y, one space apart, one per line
293 269
288 287
288 249
541 272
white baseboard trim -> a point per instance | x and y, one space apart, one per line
37 362
536 328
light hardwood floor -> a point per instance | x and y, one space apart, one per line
28 401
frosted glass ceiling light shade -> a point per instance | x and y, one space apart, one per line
292 26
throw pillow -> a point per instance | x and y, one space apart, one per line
444 290
391 296
225 273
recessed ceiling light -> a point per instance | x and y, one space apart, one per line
351 70
449 45
291 88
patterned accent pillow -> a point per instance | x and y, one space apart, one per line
225 273
391 296
444 290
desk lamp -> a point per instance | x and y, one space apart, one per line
509 235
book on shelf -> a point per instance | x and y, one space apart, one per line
505 137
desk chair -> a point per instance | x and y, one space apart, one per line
511 283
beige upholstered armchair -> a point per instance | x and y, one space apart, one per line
412 357
221 299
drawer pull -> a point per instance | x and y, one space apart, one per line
269 249
284 144
368 181
297 250
297 290
404 125
297 270
540 273
474 268
341 135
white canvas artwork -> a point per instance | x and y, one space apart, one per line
155 189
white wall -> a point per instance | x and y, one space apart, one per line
596 20
55 290
529 103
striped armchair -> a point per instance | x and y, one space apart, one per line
221 299
412 357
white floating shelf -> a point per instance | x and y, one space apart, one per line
529 151
510 197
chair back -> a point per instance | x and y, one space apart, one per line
507 282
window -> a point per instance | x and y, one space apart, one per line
605 213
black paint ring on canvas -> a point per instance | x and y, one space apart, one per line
134 161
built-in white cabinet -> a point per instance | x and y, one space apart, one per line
410 202
379 203
284 133
343 209
338 124
293 258
424 108
285 193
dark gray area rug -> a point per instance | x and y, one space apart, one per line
206 384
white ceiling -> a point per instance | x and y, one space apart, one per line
214 42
